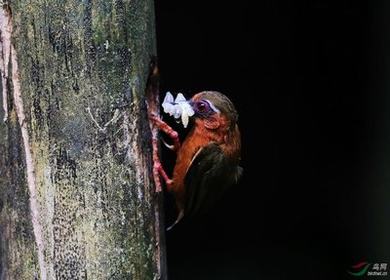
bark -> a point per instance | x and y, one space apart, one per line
77 194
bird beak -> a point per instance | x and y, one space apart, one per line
180 108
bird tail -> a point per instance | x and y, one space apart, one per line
179 217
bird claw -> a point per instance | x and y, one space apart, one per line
171 147
157 181
163 126
158 171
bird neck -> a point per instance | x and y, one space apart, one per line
232 143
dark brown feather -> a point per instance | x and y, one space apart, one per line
210 175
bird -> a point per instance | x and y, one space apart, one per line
207 160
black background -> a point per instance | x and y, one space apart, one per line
310 80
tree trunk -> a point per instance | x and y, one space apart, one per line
77 194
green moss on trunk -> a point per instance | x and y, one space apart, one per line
83 70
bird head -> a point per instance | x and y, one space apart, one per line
210 109
213 109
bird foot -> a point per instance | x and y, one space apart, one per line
156 124
163 126
158 171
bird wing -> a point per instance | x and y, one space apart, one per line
208 177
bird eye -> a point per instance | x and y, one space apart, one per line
202 107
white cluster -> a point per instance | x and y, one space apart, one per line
178 108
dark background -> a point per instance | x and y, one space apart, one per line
310 80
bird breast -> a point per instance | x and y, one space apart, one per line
199 137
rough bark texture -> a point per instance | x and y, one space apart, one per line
77 198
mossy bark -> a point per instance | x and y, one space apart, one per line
82 68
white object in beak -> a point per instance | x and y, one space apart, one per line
178 108
168 103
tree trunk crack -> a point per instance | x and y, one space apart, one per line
8 48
